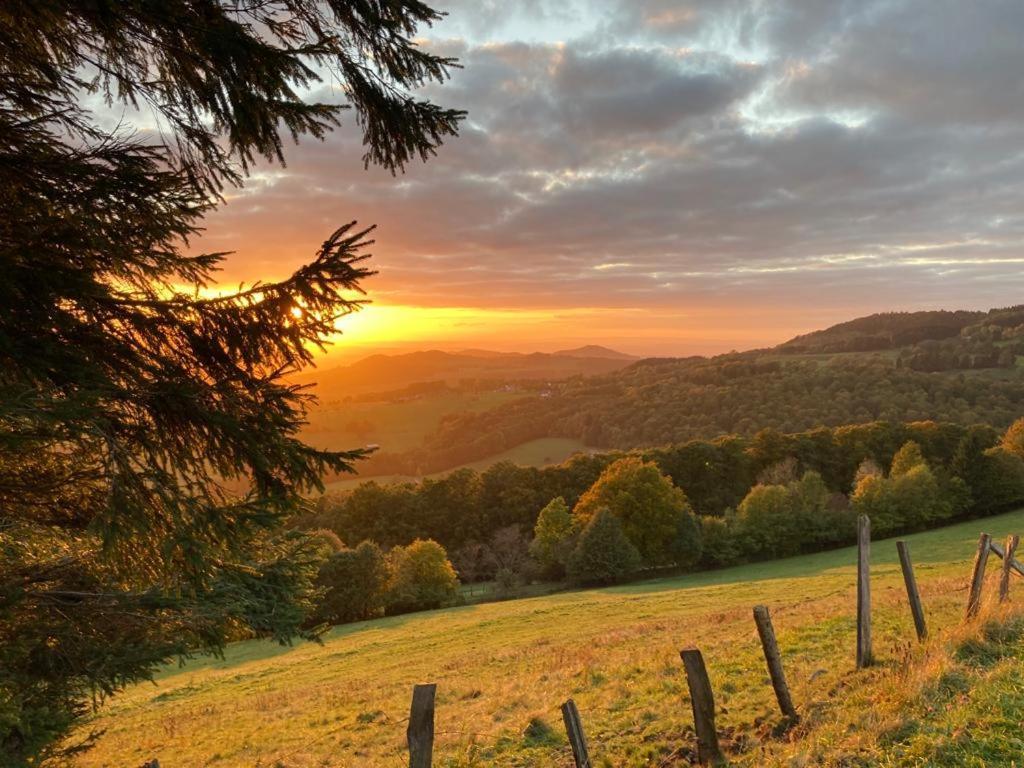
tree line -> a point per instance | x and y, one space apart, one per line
607 517
468 506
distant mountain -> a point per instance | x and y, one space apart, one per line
595 351
384 373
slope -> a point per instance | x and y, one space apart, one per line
971 376
503 668
382 373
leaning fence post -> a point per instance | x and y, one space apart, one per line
703 702
863 591
978 576
420 732
774 659
1004 576
577 738
912 594
1014 564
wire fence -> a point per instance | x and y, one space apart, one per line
704 748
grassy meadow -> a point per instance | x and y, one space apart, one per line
533 453
397 424
503 668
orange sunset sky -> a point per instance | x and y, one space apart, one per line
670 178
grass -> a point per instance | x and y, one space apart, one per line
397 425
503 669
535 453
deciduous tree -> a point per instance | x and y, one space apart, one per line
553 538
655 515
422 577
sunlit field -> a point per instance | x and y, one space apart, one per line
503 669
396 425
534 453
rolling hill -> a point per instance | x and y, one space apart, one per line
950 366
433 411
502 670
386 373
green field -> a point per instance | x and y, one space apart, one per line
503 669
396 426
535 453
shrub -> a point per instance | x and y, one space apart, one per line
604 554
422 577
355 581
719 545
655 515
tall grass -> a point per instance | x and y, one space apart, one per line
504 668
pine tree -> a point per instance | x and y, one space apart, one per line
148 437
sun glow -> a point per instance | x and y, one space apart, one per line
638 330
389 323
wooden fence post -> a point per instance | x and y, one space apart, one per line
864 657
912 594
420 732
577 738
978 576
774 659
703 702
1004 576
1014 563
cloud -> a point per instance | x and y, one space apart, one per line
672 154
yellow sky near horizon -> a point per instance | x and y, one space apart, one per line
634 330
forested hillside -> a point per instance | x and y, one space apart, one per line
385 373
950 366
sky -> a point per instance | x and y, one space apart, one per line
669 177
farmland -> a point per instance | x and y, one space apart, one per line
533 453
503 669
396 424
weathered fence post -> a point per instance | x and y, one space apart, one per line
978 576
703 702
912 594
864 657
1004 576
774 659
577 739
420 732
1014 563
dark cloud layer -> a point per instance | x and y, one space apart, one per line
667 154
